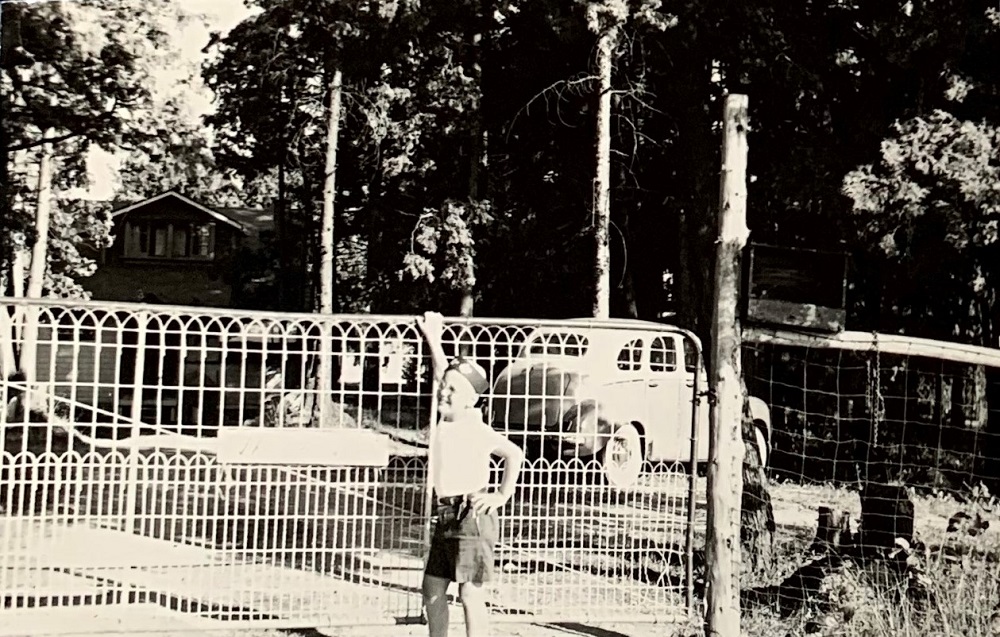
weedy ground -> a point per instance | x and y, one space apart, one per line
944 585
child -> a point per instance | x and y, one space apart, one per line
466 532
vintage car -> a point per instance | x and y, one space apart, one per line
622 392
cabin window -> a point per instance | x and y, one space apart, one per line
169 240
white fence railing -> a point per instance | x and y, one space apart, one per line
122 480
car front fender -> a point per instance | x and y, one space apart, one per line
586 429
759 411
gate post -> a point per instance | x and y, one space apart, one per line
692 493
132 470
725 464
431 434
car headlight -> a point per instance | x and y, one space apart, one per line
580 423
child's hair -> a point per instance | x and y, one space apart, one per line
472 372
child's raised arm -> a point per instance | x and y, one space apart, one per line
431 325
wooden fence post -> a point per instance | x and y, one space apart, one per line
726 449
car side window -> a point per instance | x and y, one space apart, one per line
558 344
662 354
690 356
630 356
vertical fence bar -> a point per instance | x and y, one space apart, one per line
8 336
324 385
692 476
431 434
132 472
29 363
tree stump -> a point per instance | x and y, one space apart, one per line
756 513
833 531
886 514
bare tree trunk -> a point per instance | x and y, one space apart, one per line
602 181
628 291
11 322
281 237
477 160
39 257
477 152
8 259
757 524
328 251
327 246
697 203
22 259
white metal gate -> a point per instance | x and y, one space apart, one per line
116 486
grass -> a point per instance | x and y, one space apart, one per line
946 586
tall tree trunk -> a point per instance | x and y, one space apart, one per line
43 210
602 182
698 202
375 254
328 251
20 261
19 268
8 260
757 524
627 286
327 240
281 237
7 250
477 145
39 257
281 242
21 258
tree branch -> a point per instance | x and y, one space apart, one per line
39 142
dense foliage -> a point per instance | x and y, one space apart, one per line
74 75
467 144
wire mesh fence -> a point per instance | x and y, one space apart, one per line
884 462
122 482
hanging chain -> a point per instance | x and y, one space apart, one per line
874 390
876 404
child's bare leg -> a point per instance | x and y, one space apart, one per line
436 603
477 618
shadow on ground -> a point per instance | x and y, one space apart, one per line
304 523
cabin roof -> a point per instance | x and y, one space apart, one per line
246 220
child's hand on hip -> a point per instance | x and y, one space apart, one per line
487 502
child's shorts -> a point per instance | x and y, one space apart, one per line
463 545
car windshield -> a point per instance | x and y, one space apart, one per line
557 344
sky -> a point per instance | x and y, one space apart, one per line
221 15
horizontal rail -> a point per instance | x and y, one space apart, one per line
224 313
869 341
